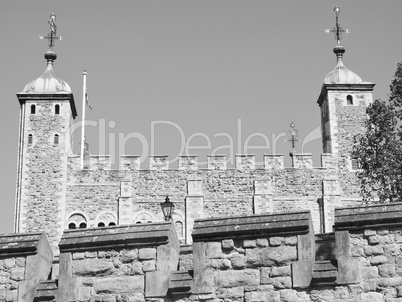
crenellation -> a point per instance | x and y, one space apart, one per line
158 162
188 162
100 162
273 161
216 162
130 162
302 160
245 161
328 161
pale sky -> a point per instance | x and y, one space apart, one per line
199 66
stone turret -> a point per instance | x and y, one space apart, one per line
47 113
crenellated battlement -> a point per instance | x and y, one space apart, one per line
243 162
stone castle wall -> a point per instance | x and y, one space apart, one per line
240 191
270 257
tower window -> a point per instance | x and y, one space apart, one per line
101 224
349 100
30 139
33 109
83 225
57 109
56 139
112 224
72 226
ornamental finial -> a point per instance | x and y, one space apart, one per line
51 37
337 30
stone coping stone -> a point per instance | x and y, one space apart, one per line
369 216
22 244
252 226
158 233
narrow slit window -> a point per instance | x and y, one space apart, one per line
355 164
57 109
33 109
349 100
56 139
30 139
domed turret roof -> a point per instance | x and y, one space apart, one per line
47 83
341 75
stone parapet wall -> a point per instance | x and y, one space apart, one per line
25 262
117 263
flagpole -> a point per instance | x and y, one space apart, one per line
84 92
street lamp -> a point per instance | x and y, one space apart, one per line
167 209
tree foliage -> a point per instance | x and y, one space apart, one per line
379 149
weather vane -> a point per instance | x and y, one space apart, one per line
337 30
294 134
51 37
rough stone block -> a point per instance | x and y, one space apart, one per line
203 280
375 250
149 265
234 278
67 289
26 290
84 293
238 261
275 241
270 256
147 253
65 265
213 250
227 244
199 255
259 296
348 270
167 257
157 283
342 244
119 285
377 260
372 297
17 273
302 273
93 267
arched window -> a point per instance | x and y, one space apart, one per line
57 109
56 139
33 109
101 224
77 220
112 224
349 100
30 139
179 229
